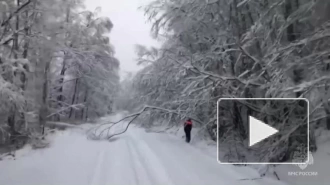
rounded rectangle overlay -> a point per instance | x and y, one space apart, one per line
288 116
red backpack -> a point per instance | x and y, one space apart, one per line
188 122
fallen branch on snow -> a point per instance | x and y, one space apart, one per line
133 116
61 124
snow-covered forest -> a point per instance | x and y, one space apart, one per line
56 64
215 49
58 69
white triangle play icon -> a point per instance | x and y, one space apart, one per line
259 131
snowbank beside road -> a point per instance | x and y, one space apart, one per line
316 173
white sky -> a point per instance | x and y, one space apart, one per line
130 28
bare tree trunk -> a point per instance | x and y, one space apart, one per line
11 120
290 29
12 113
60 97
325 101
16 34
236 18
25 51
85 101
44 108
74 96
86 117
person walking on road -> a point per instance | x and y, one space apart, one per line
187 129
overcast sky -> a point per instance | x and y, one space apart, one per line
130 28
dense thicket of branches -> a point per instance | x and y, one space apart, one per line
241 48
56 63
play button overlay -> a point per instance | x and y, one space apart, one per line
262 131
259 131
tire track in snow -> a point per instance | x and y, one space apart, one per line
98 169
194 163
142 174
188 160
152 165
173 162
132 161
119 167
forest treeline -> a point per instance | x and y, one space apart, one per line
56 64
234 49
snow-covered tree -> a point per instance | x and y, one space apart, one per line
232 49
57 63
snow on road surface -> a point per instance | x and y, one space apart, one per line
134 158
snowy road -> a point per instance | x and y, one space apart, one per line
134 158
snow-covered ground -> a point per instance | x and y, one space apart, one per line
314 173
136 157
317 172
